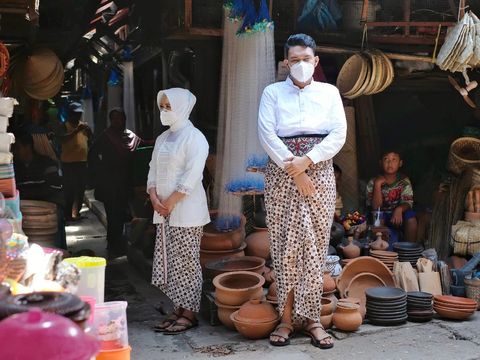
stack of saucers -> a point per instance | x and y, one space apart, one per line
387 257
419 306
408 252
386 306
454 307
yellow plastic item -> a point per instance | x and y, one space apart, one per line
16 288
121 354
86 261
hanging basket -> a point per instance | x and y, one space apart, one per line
464 152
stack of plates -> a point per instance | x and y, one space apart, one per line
454 307
419 306
387 257
408 252
386 306
39 221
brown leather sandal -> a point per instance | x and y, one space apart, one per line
184 326
286 340
169 321
317 342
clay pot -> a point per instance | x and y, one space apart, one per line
326 321
224 312
254 330
207 256
258 244
327 306
272 293
244 263
236 288
332 297
357 301
328 282
379 243
269 275
255 310
347 317
215 240
351 250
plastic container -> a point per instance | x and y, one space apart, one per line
90 300
111 325
92 278
121 354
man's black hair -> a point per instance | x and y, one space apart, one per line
24 137
299 40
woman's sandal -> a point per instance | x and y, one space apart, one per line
165 324
190 324
286 340
317 342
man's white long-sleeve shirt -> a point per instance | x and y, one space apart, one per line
286 110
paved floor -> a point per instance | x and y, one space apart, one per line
437 340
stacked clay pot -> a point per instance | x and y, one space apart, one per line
258 243
255 319
326 314
233 289
216 245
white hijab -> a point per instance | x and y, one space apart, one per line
182 102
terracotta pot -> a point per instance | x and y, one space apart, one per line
332 297
224 312
215 240
269 275
379 243
351 250
258 244
272 293
207 256
256 311
236 288
347 317
357 301
326 321
328 282
244 263
254 330
327 306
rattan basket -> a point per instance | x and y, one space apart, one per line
464 152
465 238
472 287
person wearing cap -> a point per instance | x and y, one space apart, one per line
74 157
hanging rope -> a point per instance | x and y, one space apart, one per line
364 36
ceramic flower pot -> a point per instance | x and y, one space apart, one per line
224 312
347 317
215 240
258 244
329 284
236 288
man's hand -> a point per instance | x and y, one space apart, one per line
297 165
397 217
304 184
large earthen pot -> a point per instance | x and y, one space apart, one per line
236 288
255 319
258 243
215 240
347 317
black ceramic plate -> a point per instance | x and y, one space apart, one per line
396 315
388 322
419 295
419 308
386 308
385 293
420 318
418 302
429 312
404 245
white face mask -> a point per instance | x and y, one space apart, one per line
302 71
168 118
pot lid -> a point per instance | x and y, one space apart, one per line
49 336
256 311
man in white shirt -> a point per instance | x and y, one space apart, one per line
301 126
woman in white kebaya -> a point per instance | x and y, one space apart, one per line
180 204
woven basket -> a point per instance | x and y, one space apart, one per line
464 152
472 288
465 238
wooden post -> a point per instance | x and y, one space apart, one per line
188 14
270 8
406 15
364 17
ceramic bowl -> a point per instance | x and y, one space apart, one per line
254 330
236 288
244 263
254 311
452 314
207 256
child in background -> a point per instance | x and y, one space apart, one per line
392 192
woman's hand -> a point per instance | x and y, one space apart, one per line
304 184
169 203
156 203
297 165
